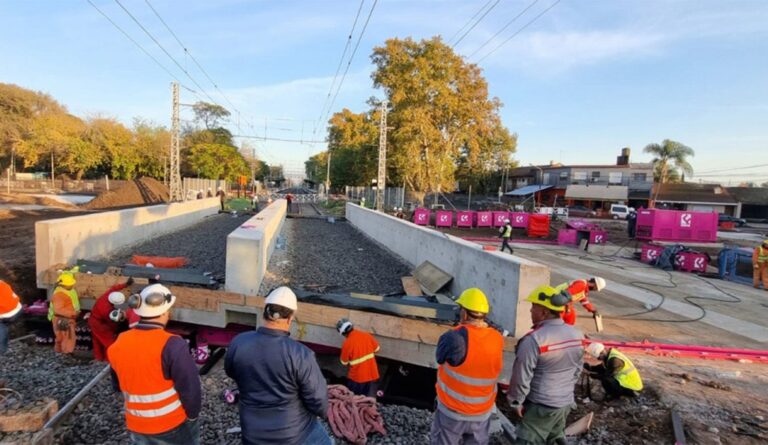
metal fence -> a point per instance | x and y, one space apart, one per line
191 186
393 196
85 186
298 197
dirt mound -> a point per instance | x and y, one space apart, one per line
139 192
21 198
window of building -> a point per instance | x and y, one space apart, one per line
579 176
522 182
563 176
614 178
546 178
595 175
640 177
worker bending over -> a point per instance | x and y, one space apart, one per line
359 353
105 319
505 233
616 371
63 310
156 374
282 390
760 265
10 311
579 290
548 363
470 361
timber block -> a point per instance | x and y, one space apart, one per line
30 417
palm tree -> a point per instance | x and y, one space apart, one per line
669 159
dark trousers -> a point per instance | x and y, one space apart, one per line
5 324
188 433
612 388
505 243
361 389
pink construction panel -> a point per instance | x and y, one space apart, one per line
499 217
567 237
598 237
465 218
484 219
650 252
519 220
421 217
444 218
677 225
691 262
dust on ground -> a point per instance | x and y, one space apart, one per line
138 192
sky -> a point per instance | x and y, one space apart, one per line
579 79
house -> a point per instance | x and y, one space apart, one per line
753 202
696 197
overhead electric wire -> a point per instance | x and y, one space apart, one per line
267 138
734 168
468 22
519 30
149 34
503 28
338 68
476 23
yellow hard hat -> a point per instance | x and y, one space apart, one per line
473 299
553 298
67 279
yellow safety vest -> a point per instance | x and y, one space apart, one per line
72 296
507 231
762 255
628 377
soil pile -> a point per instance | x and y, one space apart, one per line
21 198
139 192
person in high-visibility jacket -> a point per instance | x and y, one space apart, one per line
505 233
469 361
359 353
579 290
105 318
10 311
615 371
760 265
156 374
63 310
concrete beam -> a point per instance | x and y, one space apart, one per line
506 279
64 240
250 247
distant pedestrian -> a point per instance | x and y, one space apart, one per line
631 224
505 233
255 202
200 194
282 390
10 311
222 197
359 353
157 375
209 194
63 310
289 198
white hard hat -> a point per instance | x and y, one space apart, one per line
154 300
343 326
595 349
283 296
149 265
116 298
506 221
599 283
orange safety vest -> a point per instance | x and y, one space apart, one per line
359 353
9 301
469 389
152 405
761 255
578 290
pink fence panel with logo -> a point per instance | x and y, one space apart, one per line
499 217
598 237
444 218
465 218
567 237
650 252
519 220
421 217
484 219
677 225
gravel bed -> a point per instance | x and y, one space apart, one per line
204 244
332 257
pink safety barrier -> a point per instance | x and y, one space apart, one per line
598 237
465 218
421 217
691 262
499 218
650 252
484 219
519 220
567 237
443 218
677 225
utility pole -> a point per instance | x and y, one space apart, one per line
175 173
328 177
381 183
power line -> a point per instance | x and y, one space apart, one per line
265 138
468 22
351 57
519 30
338 68
165 51
476 23
734 168
503 28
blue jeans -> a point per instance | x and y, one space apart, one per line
318 435
4 323
188 433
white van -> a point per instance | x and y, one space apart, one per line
620 211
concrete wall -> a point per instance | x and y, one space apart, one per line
250 246
65 240
506 279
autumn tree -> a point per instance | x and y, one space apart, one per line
210 115
119 156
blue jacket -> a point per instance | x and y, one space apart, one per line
282 390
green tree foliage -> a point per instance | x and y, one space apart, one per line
151 143
670 160
115 142
210 115
217 161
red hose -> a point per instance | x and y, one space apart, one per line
693 351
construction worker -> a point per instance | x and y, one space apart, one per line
359 353
63 310
10 311
209 194
470 362
760 265
579 290
505 233
156 374
548 363
282 390
616 371
222 197
105 318
289 198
